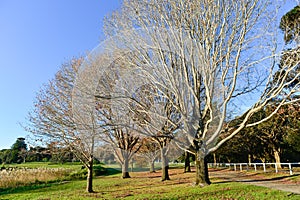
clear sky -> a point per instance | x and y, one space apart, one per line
36 37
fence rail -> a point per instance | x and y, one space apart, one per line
246 166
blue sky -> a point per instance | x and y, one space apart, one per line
36 37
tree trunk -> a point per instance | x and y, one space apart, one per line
202 178
165 165
250 158
277 157
132 165
187 164
89 186
215 160
125 172
152 168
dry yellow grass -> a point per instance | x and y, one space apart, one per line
19 177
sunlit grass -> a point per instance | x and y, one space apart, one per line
145 185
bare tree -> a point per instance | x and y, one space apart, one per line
105 154
124 144
124 140
53 118
153 115
150 151
206 58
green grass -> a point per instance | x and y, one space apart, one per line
144 185
74 165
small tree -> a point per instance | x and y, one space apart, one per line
124 145
55 118
149 151
124 140
18 151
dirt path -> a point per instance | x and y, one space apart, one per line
279 183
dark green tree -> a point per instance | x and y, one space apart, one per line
17 151
290 25
272 140
5 157
19 144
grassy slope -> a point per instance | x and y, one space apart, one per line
144 185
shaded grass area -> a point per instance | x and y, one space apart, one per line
29 187
145 185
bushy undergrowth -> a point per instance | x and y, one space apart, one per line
98 170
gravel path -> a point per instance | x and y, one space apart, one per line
279 183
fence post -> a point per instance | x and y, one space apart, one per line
290 168
248 166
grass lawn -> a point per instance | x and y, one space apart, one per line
144 185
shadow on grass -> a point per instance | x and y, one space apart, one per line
30 187
111 171
248 178
217 169
270 179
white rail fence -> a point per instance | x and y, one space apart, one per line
246 166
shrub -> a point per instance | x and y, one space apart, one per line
98 170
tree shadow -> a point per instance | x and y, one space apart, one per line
270 179
218 169
111 171
247 178
30 187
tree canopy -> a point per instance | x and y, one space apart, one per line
290 24
200 61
